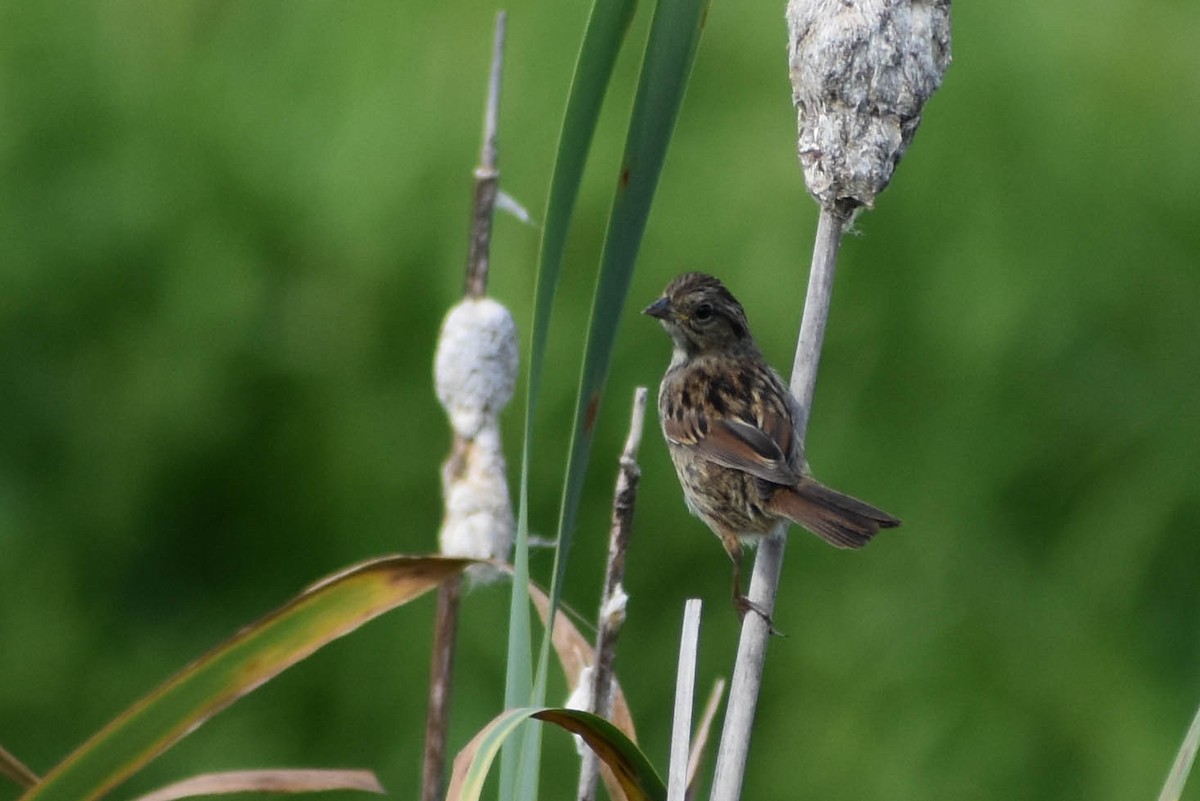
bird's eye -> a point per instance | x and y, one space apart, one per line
704 311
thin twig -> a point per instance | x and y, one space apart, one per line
685 688
612 601
752 647
700 740
445 633
487 175
612 604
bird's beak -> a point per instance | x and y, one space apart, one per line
660 309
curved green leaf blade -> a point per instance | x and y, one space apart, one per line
670 52
629 765
329 609
602 40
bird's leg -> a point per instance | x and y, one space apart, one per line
733 547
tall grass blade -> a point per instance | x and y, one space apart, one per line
602 42
670 51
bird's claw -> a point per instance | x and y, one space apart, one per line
743 605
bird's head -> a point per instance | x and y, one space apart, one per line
701 315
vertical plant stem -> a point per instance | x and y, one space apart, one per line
747 672
752 647
685 689
487 175
441 672
445 631
816 315
612 601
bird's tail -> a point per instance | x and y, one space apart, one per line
837 518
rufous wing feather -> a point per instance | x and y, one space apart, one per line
732 443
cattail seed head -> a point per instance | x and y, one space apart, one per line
861 72
475 370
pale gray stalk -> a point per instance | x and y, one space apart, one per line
752 648
1177 778
685 689
861 72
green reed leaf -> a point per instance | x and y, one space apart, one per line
629 765
330 609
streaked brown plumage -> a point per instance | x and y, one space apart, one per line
727 418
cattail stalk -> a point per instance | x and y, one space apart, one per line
475 371
613 599
861 73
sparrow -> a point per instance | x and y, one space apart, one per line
728 420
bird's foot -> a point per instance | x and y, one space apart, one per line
743 605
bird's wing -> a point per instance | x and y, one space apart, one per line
734 441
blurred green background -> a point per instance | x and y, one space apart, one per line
228 231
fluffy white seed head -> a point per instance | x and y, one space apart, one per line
861 72
475 367
478 522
